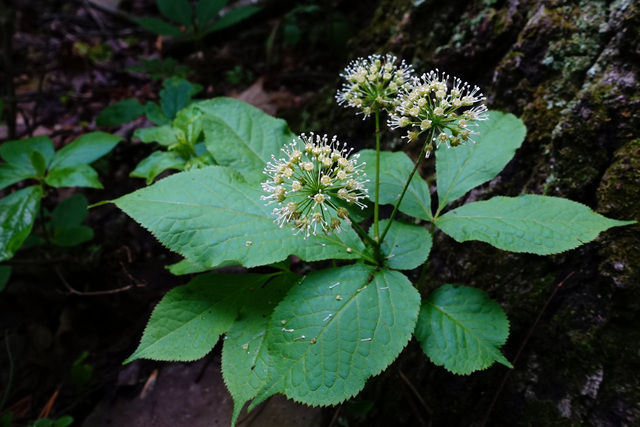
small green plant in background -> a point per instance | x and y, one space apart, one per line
318 337
159 69
194 23
178 131
35 161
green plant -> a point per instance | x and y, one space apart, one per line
35 161
318 337
197 22
178 130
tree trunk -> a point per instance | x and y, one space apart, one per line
570 71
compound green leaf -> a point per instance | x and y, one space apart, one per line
245 354
395 169
18 212
242 137
212 216
462 329
530 223
465 167
405 246
120 112
177 10
73 176
159 26
187 323
84 150
336 329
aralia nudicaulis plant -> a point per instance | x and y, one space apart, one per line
318 337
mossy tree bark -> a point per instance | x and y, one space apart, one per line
570 70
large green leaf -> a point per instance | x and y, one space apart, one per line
530 223
120 112
405 246
394 172
336 329
245 355
84 150
17 214
467 166
177 10
243 137
462 329
189 320
212 216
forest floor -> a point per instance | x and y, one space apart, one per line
70 317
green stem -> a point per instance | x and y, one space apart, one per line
376 208
406 186
361 231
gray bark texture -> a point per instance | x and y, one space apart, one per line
570 71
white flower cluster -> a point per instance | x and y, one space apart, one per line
374 82
432 104
310 182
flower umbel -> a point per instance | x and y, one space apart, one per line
448 111
374 83
309 182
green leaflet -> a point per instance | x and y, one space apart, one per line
394 172
158 26
462 329
156 163
462 168
245 354
176 94
405 246
177 10
188 321
24 159
530 223
206 10
336 329
212 216
242 137
17 213
84 150
120 113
